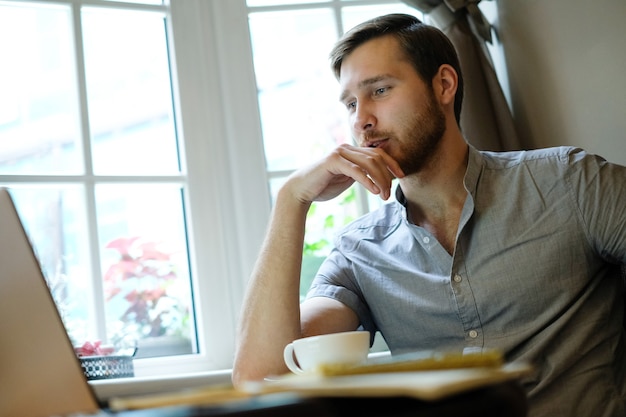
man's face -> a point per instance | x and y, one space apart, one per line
389 105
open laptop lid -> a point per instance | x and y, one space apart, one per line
39 372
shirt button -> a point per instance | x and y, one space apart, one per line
426 239
457 278
473 334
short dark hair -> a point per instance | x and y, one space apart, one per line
426 47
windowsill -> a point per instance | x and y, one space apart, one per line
106 389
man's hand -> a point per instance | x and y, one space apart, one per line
329 177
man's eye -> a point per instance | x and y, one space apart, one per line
381 90
351 105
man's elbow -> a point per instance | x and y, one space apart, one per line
245 373
239 377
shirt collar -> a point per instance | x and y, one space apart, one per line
474 168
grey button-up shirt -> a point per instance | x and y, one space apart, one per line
534 274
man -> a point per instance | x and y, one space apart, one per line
515 251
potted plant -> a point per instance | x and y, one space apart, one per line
141 284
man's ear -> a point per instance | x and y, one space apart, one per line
445 83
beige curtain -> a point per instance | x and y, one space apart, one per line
486 119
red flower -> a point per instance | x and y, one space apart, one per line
149 251
93 349
123 244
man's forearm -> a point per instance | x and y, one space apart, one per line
271 316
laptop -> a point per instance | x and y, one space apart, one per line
40 374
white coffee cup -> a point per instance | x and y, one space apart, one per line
346 348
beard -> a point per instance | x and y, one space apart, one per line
423 134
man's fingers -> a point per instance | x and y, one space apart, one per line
372 168
327 178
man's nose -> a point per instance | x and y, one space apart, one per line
364 118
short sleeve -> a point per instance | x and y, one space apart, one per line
335 279
599 191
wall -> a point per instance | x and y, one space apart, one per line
566 70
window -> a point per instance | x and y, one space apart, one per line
142 142
89 148
298 100
93 153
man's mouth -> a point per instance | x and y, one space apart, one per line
375 143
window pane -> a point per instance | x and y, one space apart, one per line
54 219
39 122
302 119
129 93
145 267
298 95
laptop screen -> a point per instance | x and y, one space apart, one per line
39 372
